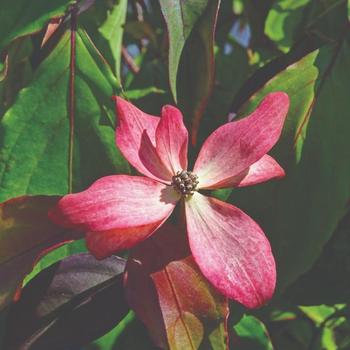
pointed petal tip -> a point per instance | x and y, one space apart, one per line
235 146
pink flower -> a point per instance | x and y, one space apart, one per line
120 211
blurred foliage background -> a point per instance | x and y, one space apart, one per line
154 53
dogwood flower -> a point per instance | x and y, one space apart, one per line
120 211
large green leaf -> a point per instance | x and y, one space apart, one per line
35 140
180 17
21 17
25 234
300 213
197 66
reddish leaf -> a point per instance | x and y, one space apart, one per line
25 235
169 294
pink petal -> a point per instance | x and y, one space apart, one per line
135 137
263 170
231 250
235 146
119 209
172 139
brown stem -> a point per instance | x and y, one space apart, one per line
71 101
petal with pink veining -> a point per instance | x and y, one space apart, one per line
235 146
132 206
135 137
231 250
263 170
172 139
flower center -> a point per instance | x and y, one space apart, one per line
185 182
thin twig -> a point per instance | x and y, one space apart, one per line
130 61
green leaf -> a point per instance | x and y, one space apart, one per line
180 17
25 234
56 255
300 213
141 30
232 69
170 295
319 313
126 338
20 17
123 336
289 20
139 93
238 6
112 31
284 18
34 133
252 335
196 71
18 71
256 12
295 334
152 75
329 270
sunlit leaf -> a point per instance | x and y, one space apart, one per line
320 313
289 20
251 335
37 155
283 21
112 31
169 294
